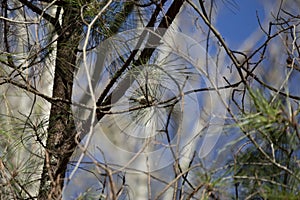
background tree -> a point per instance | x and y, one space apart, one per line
49 152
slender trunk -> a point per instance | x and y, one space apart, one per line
60 140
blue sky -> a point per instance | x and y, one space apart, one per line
237 21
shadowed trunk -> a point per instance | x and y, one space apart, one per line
60 141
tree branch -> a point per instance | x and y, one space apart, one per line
153 40
43 14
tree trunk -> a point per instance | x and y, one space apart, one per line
61 135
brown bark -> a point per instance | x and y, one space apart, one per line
61 135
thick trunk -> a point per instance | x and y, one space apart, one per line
60 140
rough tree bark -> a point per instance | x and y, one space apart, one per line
61 135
